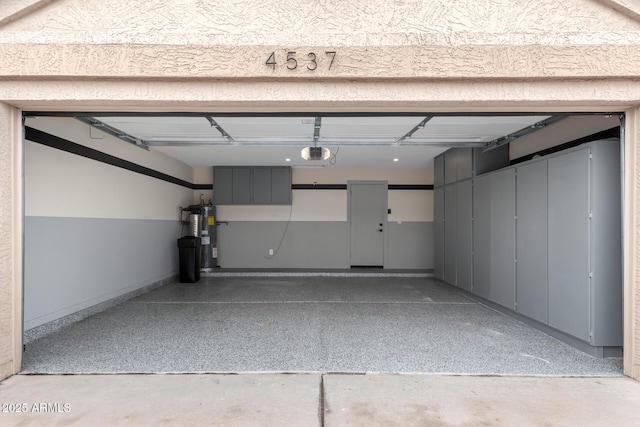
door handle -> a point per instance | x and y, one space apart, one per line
381 230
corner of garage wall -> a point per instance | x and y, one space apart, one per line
95 231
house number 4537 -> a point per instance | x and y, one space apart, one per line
310 61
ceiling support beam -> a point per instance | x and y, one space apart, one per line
414 130
103 127
316 129
223 132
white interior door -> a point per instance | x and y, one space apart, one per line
367 222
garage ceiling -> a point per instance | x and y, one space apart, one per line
355 141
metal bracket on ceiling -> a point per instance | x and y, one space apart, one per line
524 131
93 122
223 132
414 130
316 129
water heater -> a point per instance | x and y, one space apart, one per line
208 237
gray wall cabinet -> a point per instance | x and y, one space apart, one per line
606 245
502 239
241 186
453 165
438 246
450 233
438 168
482 236
223 186
494 237
464 235
246 185
452 255
281 186
569 243
531 241
261 190
543 238
450 166
464 162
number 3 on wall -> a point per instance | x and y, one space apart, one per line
292 62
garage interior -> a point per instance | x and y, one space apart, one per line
295 287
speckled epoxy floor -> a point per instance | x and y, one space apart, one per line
308 324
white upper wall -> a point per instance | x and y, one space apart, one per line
341 176
61 184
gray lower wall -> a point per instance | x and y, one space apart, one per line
246 244
75 263
311 244
410 245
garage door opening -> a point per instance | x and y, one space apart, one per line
106 194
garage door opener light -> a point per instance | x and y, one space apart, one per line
315 153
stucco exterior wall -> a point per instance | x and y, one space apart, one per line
411 55
632 244
358 22
10 201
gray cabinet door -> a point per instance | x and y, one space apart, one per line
222 186
438 219
261 186
450 166
465 163
464 238
281 186
503 238
482 236
438 170
241 186
531 241
569 243
450 227
606 245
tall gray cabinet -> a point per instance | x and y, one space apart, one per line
494 237
543 239
453 217
531 245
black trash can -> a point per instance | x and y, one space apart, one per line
189 248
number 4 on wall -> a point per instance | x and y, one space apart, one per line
272 60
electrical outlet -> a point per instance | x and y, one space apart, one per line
270 251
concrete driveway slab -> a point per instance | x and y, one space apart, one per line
424 400
160 400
